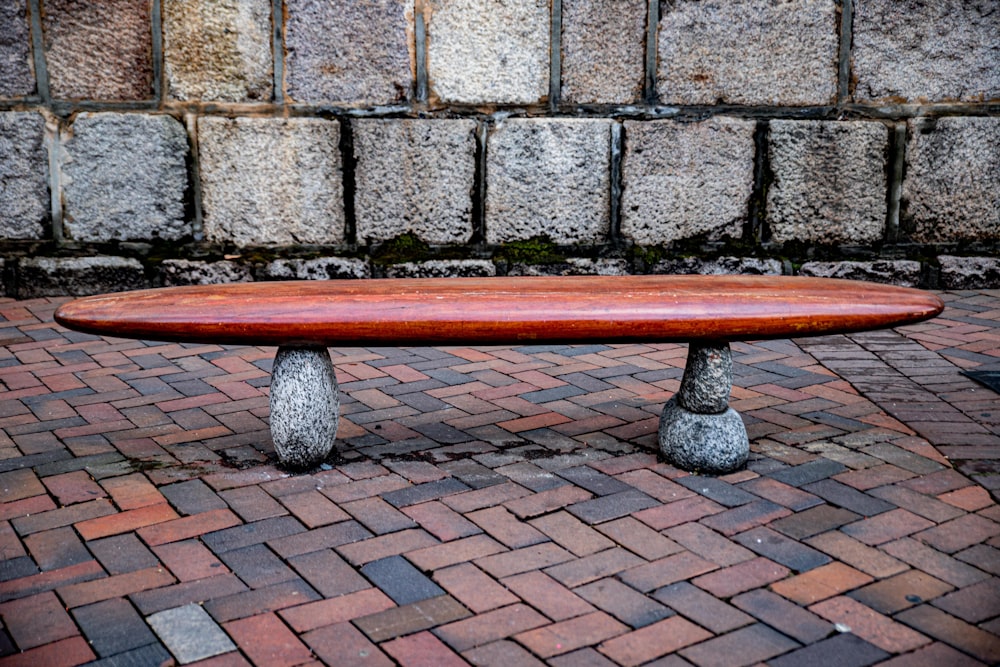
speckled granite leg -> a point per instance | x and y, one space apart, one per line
304 405
699 432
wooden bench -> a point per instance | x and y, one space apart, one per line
698 430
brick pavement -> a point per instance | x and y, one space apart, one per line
500 506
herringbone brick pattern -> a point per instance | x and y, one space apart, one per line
500 506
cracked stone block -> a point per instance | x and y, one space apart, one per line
483 51
77 276
739 52
905 273
829 181
443 268
414 176
188 272
603 50
98 50
125 177
359 52
549 177
17 77
24 176
722 266
951 191
218 50
271 180
967 273
321 268
918 51
190 633
682 180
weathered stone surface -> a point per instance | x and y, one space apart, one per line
483 51
721 266
969 272
24 176
414 176
304 406
916 51
951 191
443 268
190 633
16 76
187 272
739 52
271 180
708 379
549 177
573 266
218 50
321 268
77 276
603 50
686 179
349 52
829 181
125 177
710 444
98 50
905 273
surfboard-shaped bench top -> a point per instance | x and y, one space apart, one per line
486 311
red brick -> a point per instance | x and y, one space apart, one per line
343 644
189 560
441 521
963 636
935 563
522 560
125 522
886 527
938 482
503 652
188 527
120 585
933 655
10 546
974 604
572 634
821 583
506 528
454 552
639 538
470 586
570 533
547 501
19 484
313 508
74 487
268 641
654 485
306 617
422 650
870 625
64 653
959 533
970 499
37 620
46 581
595 566
741 577
847 549
383 546
26 507
252 503
364 488
484 628
651 642
411 618
708 544
781 493
547 595
496 494
662 517
665 571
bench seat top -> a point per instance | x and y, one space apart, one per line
489 311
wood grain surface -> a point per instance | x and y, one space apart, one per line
485 311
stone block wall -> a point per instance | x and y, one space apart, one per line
153 142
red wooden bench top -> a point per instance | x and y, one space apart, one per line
466 311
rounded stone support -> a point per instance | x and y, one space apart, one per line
699 432
304 405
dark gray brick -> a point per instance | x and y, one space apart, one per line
402 582
421 493
613 506
781 549
717 490
122 553
257 566
594 481
807 473
845 650
150 654
257 532
623 602
476 475
193 497
849 498
113 626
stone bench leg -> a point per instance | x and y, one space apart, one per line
699 432
304 405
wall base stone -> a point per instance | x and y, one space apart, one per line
322 268
969 272
751 266
78 276
904 273
187 272
443 268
